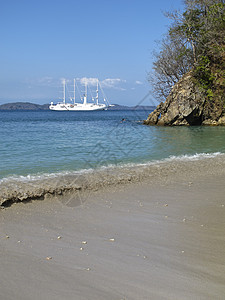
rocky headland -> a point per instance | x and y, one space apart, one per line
188 104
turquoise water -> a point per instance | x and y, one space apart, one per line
52 142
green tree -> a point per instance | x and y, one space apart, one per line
195 41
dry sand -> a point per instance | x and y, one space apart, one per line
161 240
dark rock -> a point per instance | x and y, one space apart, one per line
187 105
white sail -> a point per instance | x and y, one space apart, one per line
77 106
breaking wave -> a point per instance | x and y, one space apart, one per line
39 186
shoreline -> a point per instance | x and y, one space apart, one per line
25 189
159 238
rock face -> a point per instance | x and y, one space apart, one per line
187 105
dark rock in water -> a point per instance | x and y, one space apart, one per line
187 104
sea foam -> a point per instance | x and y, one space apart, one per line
36 186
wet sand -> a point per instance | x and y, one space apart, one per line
162 239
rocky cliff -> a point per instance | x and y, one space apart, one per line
187 104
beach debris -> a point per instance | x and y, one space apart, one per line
81 248
140 204
88 269
144 256
182 251
202 225
165 204
84 242
7 237
18 241
112 240
59 237
48 257
184 220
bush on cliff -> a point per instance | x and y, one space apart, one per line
195 41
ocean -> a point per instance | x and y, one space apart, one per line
38 145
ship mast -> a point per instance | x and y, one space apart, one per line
85 95
64 91
97 93
74 90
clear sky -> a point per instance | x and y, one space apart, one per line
43 41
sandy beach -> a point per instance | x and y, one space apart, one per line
153 239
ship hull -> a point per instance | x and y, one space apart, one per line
77 107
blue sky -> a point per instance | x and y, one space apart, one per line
46 40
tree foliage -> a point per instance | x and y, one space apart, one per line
195 41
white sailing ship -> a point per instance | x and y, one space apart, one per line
84 105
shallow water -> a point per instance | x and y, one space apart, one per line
33 143
53 152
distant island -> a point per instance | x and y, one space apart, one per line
24 106
38 107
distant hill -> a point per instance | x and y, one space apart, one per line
23 106
38 107
138 107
